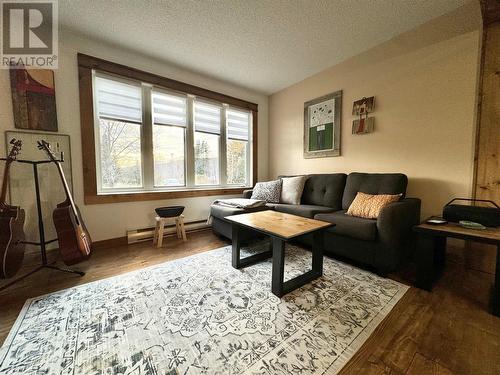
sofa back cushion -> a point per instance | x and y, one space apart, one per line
373 183
324 190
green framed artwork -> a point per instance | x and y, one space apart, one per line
322 126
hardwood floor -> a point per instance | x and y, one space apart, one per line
448 331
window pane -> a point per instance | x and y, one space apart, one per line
169 109
168 153
120 154
238 124
206 154
236 162
119 100
207 118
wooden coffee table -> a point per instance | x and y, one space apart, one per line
431 251
281 228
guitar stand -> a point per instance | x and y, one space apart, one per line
43 243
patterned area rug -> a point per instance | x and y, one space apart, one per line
198 315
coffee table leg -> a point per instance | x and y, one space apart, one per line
236 246
317 253
439 253
236 260
495 299
425 262
280 287
278 266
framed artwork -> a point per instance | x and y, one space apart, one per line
363 125
33 99
322 126
22 185
361 108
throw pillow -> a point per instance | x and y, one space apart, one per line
292 188
369 206
267 191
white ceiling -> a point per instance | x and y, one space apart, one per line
264 45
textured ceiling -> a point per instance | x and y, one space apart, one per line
264 45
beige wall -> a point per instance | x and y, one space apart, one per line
424 83
111 221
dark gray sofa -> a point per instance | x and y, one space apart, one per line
382 243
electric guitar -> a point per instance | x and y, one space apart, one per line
12 236
74 240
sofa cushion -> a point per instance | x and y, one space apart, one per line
269 191
324 190
221 212
350 226
373 183
370 205
291 189
304 210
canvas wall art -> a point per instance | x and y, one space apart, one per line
363 125
322 126
361 108
34 99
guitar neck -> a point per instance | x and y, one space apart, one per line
6 171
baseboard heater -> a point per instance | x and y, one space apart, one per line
146 234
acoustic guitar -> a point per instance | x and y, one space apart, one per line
74 240
12 236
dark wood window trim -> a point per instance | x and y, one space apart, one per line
85 66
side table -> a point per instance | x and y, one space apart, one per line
431 247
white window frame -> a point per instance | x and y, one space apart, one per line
147 142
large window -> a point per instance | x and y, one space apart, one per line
152 139
119 129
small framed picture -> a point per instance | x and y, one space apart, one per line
363 125
363 106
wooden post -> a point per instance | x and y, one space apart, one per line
487 152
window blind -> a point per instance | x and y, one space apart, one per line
207 118
238 124
169 109
118 100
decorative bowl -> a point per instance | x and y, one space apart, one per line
169 211
471 225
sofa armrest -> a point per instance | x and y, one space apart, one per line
394 227
247 193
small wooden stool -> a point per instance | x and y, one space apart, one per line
160 226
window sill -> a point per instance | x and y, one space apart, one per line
159 195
